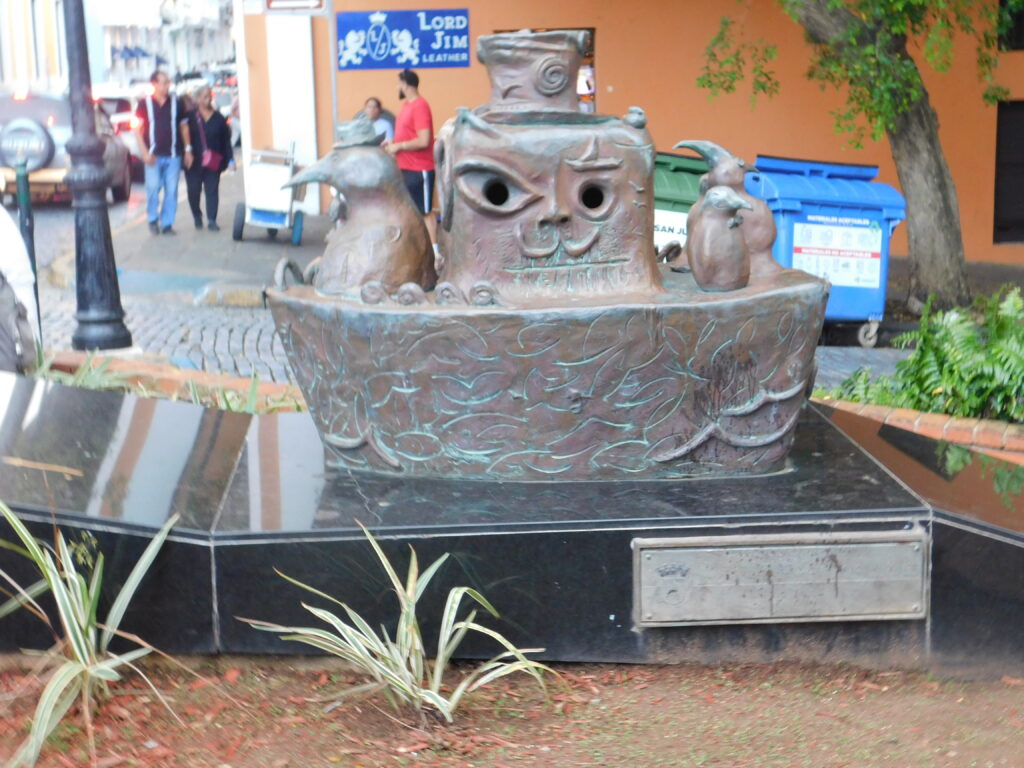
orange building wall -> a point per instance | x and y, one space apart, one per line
324 123
650 53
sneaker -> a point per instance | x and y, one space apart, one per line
212 226
167 231
154 228
199 222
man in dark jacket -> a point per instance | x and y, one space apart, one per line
212 135
164 138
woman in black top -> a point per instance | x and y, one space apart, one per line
211 138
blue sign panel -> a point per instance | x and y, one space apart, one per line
403 39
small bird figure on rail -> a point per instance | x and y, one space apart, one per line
715 247
725 169
381 237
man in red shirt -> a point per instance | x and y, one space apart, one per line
413 146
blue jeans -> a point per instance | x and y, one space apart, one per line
163 175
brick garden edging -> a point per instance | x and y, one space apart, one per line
170 380
998 438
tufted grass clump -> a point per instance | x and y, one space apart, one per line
82 665
398 666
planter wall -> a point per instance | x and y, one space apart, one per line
997 438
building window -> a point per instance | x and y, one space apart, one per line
1013 40
1009 207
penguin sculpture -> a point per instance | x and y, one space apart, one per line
715 246
380 237
725 169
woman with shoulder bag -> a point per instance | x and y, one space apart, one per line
212 138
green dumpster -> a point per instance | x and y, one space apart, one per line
676 188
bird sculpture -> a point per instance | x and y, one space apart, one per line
380 237
715 246
725 169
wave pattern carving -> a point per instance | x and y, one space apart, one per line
651 390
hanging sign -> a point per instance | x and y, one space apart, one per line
403 39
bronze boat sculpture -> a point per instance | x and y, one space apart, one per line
553 346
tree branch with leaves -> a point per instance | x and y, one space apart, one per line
869 49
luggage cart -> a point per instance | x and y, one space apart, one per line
268 203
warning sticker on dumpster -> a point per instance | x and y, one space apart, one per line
669 226
845 250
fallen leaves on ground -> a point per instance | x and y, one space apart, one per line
735 715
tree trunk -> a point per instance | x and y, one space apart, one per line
936 248
935 242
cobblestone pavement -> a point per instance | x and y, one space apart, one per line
55 223
836 363
228 340
241 341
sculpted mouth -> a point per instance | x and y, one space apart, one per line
548 249
578 265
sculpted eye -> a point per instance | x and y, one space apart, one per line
494 188
592 196
596 198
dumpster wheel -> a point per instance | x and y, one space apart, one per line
867 334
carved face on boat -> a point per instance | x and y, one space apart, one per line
539 208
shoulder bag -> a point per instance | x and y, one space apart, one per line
211 160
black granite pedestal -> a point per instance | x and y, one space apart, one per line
557 559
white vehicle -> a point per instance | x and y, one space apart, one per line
119 104
35 127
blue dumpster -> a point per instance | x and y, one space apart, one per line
835 222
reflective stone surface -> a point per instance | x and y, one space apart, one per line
825 476
977 624
964 485
113 457
556 558
569 592
977 579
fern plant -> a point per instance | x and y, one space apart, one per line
965 362
398 665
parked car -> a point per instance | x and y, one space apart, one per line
36 127
119 103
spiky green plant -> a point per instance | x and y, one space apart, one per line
99 377
965 362
236 402
84 663
87 376
399 666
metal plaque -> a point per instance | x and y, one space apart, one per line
766 578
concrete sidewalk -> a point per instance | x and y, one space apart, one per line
199 266
193 298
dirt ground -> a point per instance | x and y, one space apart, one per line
281 713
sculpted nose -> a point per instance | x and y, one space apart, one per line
555 217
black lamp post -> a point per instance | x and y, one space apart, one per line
100 316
